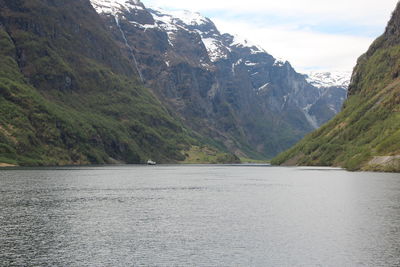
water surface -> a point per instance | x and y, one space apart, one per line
198 216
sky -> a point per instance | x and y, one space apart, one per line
313 35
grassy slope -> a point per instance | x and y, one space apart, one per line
369 124
68 95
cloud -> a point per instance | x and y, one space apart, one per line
306 50
311 34
360 11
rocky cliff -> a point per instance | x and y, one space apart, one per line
223 87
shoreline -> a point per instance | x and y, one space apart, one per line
4 165
304 167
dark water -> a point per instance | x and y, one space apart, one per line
198 216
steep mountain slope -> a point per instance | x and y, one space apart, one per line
68 95
223 87
366 134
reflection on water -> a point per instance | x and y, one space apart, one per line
198 216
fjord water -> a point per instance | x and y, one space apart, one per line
198 216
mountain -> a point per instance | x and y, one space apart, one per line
69 95
231 92
108 81
333 92
366 134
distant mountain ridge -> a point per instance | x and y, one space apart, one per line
223 87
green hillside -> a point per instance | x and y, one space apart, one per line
68 95
366 134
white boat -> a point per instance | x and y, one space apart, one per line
150 162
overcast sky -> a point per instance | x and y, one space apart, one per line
313 35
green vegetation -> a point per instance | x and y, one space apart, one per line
206 154
368 126
255 161
68 95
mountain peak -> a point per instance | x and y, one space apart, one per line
178 19
239 41
114 6
329 79
186 16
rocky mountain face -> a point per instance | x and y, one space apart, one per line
333 92
366 134
231 92
70 95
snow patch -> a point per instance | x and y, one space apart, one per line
163 20
242 42
263 88
143 26
214 49
115 6
250 64
173 20
235 64
279 62
188 17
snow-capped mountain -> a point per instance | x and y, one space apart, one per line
333 88
222 86
329 79
173 22
116 6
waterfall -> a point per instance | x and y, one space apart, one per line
132 54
